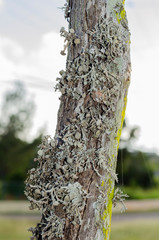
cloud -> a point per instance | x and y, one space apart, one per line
1 3
43 62
38 68
26 21
10 49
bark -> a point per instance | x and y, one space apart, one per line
74 181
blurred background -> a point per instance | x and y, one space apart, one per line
30 62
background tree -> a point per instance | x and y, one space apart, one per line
17 111
73 183
16 153
134 167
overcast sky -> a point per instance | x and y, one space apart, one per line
29 51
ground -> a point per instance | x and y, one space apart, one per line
140 222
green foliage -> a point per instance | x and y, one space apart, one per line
134 167
16 154
17 110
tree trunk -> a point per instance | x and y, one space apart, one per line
73 184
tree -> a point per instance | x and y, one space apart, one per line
17 111
73 183
16 153
134 167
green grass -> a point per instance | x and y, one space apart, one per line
135 230
15 229
139 193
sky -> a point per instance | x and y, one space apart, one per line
30 47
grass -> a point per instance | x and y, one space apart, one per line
135 230
126 230
15 229
16 208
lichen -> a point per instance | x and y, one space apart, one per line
119 196
66 9
70 39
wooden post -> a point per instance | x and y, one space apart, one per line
73 184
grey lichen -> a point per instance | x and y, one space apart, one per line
119 197
70 38
66 9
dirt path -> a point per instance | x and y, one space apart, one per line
135 216
137 209
20 216
139 206
115 218
142 205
